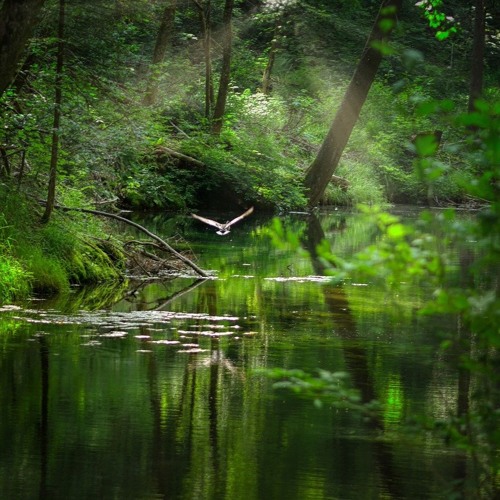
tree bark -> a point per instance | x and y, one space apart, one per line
51 194
477 64
320 172
18 18
204 10
163 42
266 77
225 75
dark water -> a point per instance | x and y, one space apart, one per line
155 394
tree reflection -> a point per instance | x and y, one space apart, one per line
355 356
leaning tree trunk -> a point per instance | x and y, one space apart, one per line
320 172
163 41
51 194
227 42
477 66
17 21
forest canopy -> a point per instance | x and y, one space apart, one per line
167 104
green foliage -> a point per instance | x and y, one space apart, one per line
49 258
332 388
402 253
49 274
438 20
409 253
15 281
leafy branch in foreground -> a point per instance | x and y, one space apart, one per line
332 388
410 253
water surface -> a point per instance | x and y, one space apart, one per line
108 394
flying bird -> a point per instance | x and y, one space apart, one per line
223 228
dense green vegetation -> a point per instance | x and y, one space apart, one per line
48 258
413 254
139 86
161 109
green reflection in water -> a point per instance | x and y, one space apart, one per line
394 402
154 397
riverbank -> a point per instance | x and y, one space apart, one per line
47 259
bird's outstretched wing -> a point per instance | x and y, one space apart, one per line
210 222
234 221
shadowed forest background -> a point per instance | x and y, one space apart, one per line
182 104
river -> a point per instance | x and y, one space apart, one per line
157 391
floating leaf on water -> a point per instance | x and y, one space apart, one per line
301 279
192 351
190 345
142 336
164 342
9 308
114 334
92 343
209 333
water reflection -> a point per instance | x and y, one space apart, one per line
155 397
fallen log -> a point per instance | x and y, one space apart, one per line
163 150
162 243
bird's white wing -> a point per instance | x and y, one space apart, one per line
234 221
210 222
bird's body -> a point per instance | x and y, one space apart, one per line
223 229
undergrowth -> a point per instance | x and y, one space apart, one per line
47 259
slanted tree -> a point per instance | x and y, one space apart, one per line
51 193
163 41
18 18
320 172
225 74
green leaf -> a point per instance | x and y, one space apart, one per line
397 231
383 47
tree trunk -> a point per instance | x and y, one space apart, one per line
320 172
17 21
477 65
227 42
163 41
204 10
51 194
266 77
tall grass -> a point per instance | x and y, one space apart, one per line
48 258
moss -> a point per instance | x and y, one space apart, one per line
95 261
48 259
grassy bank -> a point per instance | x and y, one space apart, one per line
47 259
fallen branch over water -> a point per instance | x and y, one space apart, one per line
155 237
